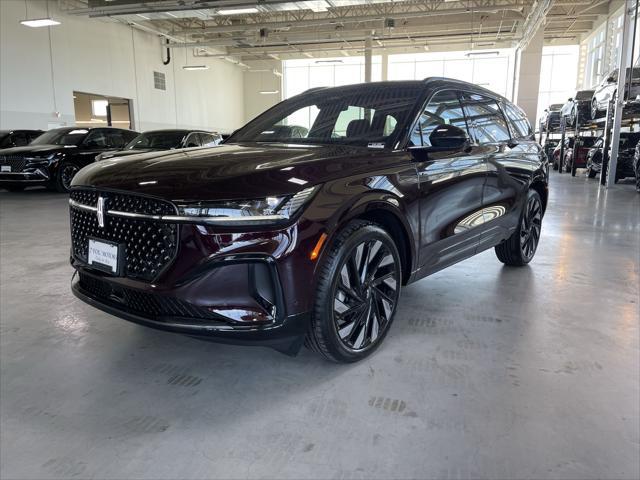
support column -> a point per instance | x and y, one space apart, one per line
527 73
624 62
367 59
384 59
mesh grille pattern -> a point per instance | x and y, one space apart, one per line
149 245
149 305
16 162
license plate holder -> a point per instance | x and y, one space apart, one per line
105 255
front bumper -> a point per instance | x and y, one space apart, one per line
244 304
37 177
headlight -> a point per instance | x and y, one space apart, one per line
246 212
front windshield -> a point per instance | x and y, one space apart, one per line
62 136
156 141
365 116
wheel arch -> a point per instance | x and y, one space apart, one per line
385 210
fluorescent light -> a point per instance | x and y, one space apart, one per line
268 92
196 67
237 11
329 61
40 22
478 54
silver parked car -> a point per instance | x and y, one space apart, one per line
607 90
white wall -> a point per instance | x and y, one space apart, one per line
254 102
38 75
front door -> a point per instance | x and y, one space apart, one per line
451 187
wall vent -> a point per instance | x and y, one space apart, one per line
159 81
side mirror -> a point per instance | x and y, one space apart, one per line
611 79
444 138
448 137
570 99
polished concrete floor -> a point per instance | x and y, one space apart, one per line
488 372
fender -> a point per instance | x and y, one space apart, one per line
365 203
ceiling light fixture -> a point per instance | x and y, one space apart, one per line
195 67
237 11
478 54
268 92
40 22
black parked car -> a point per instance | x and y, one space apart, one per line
158 140
578 106
56 156
607 90
285 240
550 119
626 152
18 138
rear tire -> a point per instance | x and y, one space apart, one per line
357 293
519 248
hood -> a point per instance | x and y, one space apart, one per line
231 171
37 150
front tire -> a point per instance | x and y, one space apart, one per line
64 175
356 294
519 248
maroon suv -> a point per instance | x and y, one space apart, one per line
282 238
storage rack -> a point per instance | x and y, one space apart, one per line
601 127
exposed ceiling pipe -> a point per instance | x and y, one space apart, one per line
534 21
168 60
341 20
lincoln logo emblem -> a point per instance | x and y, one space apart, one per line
100 212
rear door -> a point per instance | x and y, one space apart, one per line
514 158
450 188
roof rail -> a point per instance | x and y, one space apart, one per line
313 89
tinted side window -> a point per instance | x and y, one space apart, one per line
96 139
115 139
443 108
20 139
207 140
192 141
485 119
517 120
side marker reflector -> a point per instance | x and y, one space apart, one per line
315 253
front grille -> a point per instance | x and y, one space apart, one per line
149 246
148 305
17 162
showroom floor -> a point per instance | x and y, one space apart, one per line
488 372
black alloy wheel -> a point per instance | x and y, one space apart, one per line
365 295
357 294
638 179
66 172
530 227
519 249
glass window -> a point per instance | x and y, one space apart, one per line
359 116
97 139
115 139
192 141
517 120
62 136
485 119
443 108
